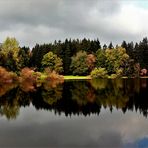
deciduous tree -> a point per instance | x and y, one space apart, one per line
52 62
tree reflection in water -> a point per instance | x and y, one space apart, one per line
78 97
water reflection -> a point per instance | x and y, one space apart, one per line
94 113
79 97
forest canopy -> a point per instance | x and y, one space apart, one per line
77 57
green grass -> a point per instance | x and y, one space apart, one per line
71 77
43 76
76 77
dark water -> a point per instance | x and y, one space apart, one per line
102 113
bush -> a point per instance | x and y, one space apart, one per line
7 77
8 80
99 73
28 79
53 79
119 72
113 76
143 72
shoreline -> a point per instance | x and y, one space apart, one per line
70 77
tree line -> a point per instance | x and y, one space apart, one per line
78 57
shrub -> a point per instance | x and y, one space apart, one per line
113 76
28 79
143 72
8 80
53 79
99 73
52 75
119 72
7 77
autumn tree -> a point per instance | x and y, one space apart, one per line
9 51
11 45
91 60
100 58
53 62
115 59
98 73
79 64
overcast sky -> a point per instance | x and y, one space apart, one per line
43 21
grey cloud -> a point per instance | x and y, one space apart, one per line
53 12
59 19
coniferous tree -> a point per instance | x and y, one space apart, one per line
130 48
24 57
104 47
124 45
37 54
110 46
67 57
144 48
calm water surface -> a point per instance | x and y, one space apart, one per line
101 113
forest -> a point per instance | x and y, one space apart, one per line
77 57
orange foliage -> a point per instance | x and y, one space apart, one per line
7 77
28 79
91 59
8 80
53 79
143 72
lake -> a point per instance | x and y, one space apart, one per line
93 113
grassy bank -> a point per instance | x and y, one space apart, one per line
76 77
88 77
71 77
